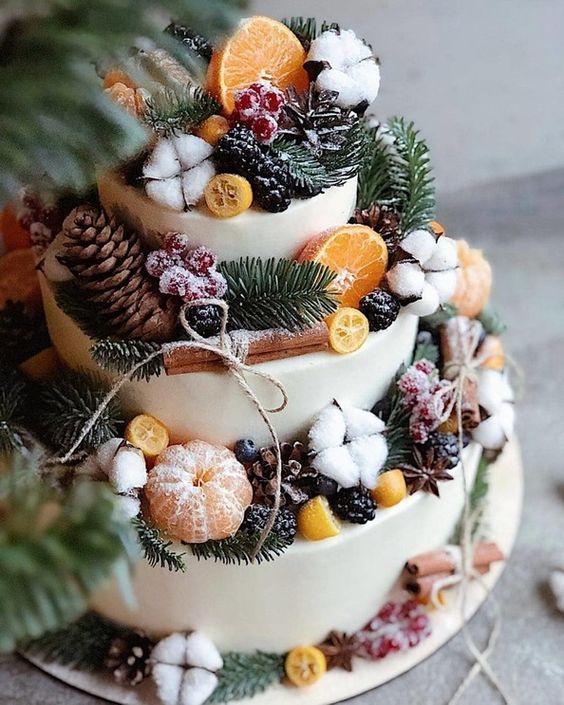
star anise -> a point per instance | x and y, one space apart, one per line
425 472
339 649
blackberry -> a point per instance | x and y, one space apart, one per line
322 485
354 504
285 525
381 308
246 451
445 448
191 40
238 152
205 320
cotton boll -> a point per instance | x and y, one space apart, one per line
128 471
328 429
337 463
168 680
420 244
366 75
490 434
444 283
444 257
51 267
168 193
350 92
129 506
163 161
369 454
197 686
406 280
427 304
191 150
360 422
506 415
195 180
493 390
556 582
171 650
106 453
202 652
327 47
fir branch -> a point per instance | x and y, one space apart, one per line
238 549
396 417
413 180
14 399
156 549
492 321
55 550
306 29
376 178
246 675
170 111
70 300
122 355
277 293
346 163
23 335
306 171
67 403
82 645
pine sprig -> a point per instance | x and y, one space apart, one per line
70 300
238 549
169 111
246 675
346 163
122 355
307 29
67 403
477 500
377 174
397 424
156 549
55 550
14 397
413 179
306 171
277 293
82 645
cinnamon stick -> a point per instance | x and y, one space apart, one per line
423 587
440 561
262 346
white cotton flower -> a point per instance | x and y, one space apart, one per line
406 280
197 686
427 304
128 470
168 680
444 283
328 429
369 453
495 396
420 244
444 256
360 422
202 652
178 170
493 389
106 453
347 67
129 505
338 464
171 650
556 582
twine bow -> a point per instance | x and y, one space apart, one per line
234 361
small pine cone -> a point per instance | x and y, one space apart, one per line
108 262
262 475
385 221
128 658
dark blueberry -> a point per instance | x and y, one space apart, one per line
246 451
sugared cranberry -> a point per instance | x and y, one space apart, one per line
265 128
200 260
248 104
159 261
272 101
175 243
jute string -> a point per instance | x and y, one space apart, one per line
234 361
464 369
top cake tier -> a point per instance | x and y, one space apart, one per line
254 233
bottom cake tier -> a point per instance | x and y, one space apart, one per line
313 588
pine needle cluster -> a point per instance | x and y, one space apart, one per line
239 549
307 29
246 675
14 403
169 111
156 549
122 356
277 293
396 417
55 549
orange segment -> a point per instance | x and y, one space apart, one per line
356 253
262 49
348 330
148 434
316 520
18 279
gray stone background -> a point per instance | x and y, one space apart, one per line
484 82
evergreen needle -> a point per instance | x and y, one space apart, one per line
156 549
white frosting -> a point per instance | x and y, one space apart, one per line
211 406
253 233
297 599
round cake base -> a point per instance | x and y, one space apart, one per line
504 511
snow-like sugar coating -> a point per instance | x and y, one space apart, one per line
406 280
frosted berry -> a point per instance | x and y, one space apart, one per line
425 366
285 525
175 243
176 281
264 128
200 261
445 448
159 261
246 451
213 286
396 627
354 504
272 100
248 103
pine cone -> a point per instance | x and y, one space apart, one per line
108 262
262 475
128 658
385 221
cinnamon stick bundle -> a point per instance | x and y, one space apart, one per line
260 346
440 561
423 587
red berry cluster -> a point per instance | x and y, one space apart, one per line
427 398
259 107
187 273
398 626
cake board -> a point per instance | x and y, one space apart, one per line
504 512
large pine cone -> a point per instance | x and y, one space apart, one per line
108 262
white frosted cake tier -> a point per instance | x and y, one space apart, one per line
314 587
254 233
211 406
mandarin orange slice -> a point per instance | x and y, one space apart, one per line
262 49
198 492
18 279
148 434
348 330
474 280
356 253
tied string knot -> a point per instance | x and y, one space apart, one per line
233 357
